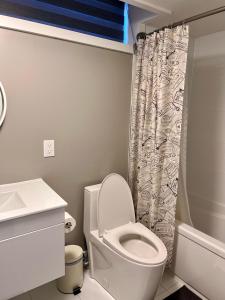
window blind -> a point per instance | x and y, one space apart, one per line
102 18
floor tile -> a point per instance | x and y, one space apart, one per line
50 292
173 289
197 293
93 290
170 279
160 290
167 292
171 283
25 296
161 296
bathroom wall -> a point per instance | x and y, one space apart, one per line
206 135
75 94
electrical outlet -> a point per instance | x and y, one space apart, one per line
49 148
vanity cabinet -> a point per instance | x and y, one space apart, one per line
32 237
33 255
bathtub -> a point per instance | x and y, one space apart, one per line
199 260
208 216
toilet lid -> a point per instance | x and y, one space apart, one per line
115 203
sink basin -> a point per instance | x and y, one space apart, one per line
26 198
10 201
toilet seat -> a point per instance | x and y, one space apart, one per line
136 243
117 227
115 204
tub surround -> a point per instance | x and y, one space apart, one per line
200 250
206 140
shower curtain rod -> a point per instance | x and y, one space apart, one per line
142 35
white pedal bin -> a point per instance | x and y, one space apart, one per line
74 277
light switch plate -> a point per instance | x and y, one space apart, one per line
49 148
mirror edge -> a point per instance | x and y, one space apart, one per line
2 116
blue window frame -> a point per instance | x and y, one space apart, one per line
102 18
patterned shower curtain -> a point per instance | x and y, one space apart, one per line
155 129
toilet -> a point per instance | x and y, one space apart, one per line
125 257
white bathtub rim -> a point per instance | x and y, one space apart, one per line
201 238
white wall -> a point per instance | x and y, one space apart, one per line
206 130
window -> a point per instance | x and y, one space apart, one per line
102 18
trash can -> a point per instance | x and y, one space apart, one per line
72 282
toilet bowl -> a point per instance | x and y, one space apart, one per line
125 257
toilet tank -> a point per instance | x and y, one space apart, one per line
90 209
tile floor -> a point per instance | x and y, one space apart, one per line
93 291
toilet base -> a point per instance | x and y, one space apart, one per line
121 278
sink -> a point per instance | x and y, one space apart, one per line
32 236
26 198
10 201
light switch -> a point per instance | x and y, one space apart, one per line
49 148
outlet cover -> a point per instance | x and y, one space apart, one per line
49 148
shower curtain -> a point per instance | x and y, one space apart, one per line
155 129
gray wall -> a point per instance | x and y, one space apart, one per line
76 94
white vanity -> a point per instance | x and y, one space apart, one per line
31 236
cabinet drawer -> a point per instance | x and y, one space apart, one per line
30 260
26 224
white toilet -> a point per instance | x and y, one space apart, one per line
126 258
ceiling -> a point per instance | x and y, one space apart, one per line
170 11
